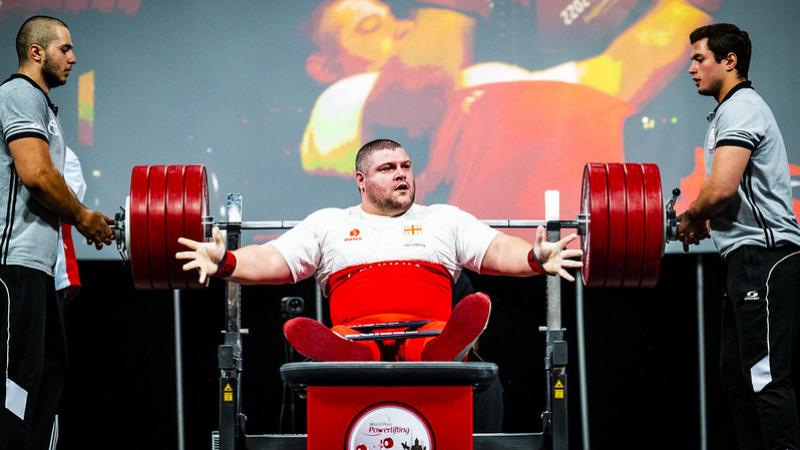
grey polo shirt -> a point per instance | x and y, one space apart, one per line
29 231
761 212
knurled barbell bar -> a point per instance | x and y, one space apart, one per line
623 224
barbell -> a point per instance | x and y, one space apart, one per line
623 224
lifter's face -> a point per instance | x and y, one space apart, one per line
387 188
58 58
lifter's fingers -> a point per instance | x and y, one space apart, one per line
572 264
539 238
191 265
217 235
186 255
571 253
188 243
566 275
564 241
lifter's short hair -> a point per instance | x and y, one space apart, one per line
366 150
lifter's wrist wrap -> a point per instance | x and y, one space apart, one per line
226 265
534 262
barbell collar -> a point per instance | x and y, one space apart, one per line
671 217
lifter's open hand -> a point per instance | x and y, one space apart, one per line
554 256
203 256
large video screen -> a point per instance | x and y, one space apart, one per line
496 102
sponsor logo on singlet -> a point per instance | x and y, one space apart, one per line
354 235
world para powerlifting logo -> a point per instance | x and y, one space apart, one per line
387 426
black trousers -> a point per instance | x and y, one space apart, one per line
760 323
32 359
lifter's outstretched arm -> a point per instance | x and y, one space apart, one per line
508 255
255 264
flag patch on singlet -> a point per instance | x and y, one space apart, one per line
412 230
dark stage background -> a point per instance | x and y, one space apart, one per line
233 85
641 360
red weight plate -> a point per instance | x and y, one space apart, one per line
654 225
195 208
634 187
594 241
617 224
137 220
174 223
157 232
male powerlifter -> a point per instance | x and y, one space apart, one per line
385 260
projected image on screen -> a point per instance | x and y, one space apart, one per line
499 134
31 7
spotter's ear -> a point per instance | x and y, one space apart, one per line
730 61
